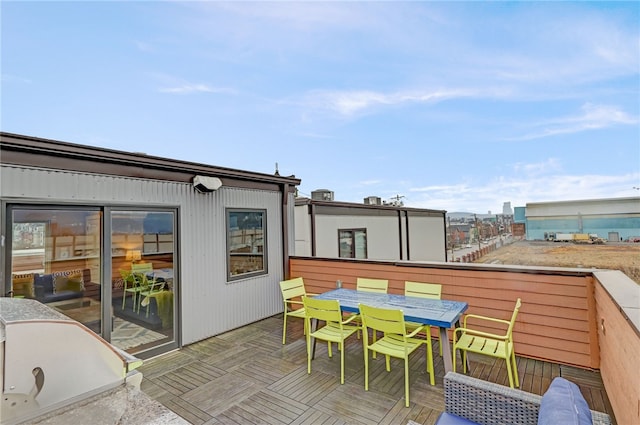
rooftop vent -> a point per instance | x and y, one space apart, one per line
373 200
322 195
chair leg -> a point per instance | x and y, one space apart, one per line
509 373
366 363
515 368
284 328
406 381
432 380
453 363
308 338
341 348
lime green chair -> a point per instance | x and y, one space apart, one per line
372 285
131 286
395 342
293 292
365 284
335 330
142 268
422 290
489 344
151 288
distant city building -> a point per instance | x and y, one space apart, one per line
612 219
506 209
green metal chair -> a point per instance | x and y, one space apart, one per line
335 330
395 342
489 344
293 292
423 290
131 286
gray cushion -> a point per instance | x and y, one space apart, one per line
450 419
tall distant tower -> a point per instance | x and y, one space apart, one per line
506 209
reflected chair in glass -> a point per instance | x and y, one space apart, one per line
151 288
335 329
293 292
431 291
489 344
142 267
130 284
396 342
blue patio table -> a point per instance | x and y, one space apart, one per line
442 313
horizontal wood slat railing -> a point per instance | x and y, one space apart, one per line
560 319
554 324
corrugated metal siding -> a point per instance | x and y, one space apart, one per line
209 305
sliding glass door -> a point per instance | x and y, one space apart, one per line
57 256
55 259
144 285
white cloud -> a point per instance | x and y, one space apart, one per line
351 102
8 78
550 165
522 190
593 117
193 88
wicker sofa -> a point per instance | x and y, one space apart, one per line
482 402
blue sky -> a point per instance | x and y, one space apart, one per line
459 106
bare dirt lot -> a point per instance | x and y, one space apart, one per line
615 256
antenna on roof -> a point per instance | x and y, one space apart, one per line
396 201
277 173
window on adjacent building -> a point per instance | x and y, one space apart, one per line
246 243
352 243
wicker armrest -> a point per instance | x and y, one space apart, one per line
488 403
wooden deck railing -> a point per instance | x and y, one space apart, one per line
568 316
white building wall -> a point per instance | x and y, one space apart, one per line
382 235
208 304
427 239
302 231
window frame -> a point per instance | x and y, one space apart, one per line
231 277
353 242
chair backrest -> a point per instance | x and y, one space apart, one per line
382 319
127 276
513 317
326 310
292 288
372 285
423 290
142 267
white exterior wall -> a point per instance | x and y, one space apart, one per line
302 231
382 235
427 239
208 304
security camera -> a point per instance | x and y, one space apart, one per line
206 184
